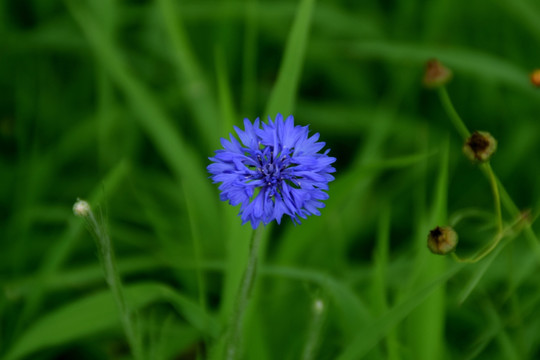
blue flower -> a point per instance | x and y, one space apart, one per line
274 170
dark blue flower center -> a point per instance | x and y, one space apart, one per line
273 170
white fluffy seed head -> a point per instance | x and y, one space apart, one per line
81 208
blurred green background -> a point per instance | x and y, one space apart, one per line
122 102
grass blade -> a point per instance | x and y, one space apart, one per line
283 94
179 155
371 334
97 312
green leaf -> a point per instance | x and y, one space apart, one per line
97 312
283 94
191 75
180 156
352 311
373 332
480 64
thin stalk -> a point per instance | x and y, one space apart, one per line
315 330
233 337
482 254
197 252
112 277
486 168
452 113
496 196
516 226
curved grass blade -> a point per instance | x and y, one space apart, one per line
60 251
178 154
372 333
482 65
352 311
97 312
191 75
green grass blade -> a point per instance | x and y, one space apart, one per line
380 286
428 319
283 94
97 312
61 250
192 78
178 154
525 14
374 332
480 64
249 58
225 98
478 275
236 235
353 313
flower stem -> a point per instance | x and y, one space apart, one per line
452 113
515 227
315 330
482 254
234 332
496 196
486 168
112 277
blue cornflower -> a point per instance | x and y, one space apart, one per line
276 170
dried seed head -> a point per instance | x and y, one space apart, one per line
436 74
535 77
81 208
442 240
480 146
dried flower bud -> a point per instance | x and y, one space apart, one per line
81 208
436 74
442 240
535 77
480 146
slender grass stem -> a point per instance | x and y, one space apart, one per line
496 196
482 254
488 171
452 113
233 337
315 330
511 229
197 252
112 277
486 168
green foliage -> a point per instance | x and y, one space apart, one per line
122 102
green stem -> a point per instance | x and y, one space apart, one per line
197 253
516 226
452 113
234 332
496 196
486 168
315 330
112 277
482 254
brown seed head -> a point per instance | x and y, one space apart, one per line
480 146
442 240
535 78
436 74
